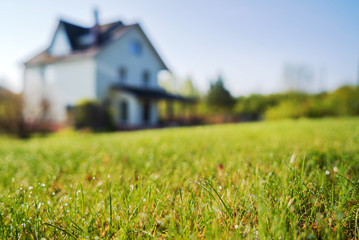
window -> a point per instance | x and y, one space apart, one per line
124 111
123 74
146 77
136 47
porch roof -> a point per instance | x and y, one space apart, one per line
152 93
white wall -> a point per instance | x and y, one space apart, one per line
118 55
62 83
33 93
60 44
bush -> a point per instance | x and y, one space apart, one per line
11 116
287 109
342 102
91 114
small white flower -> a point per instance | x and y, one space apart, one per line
220 188
335 169
144 199
30 188
327 172
43 185
236 226
53 194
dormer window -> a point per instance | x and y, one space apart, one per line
86 40
123 74
136 47
146 77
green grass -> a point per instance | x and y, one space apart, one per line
259 180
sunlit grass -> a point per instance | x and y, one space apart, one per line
274 180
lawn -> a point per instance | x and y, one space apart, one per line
292 179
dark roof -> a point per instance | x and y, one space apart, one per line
74 32
151 93
107 33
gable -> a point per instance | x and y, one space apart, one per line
132 33
60 44
149 44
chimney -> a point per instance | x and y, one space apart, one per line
95 13
95 30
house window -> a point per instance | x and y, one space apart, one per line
135 47
123 74
146 77
124 111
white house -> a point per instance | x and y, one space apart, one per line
113 62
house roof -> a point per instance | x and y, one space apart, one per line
107 33
151 93
74 32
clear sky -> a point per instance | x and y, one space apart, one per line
248 42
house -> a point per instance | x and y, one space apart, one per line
114 63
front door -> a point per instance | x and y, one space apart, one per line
146 112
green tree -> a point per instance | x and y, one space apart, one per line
189 90
219 99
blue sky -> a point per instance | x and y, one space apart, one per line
247 42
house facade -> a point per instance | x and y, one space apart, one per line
113 62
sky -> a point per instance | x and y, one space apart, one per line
248 42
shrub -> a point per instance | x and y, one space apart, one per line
287 109
91 114
11 117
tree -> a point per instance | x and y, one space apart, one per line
219 99
189 90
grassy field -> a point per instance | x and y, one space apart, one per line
268 180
